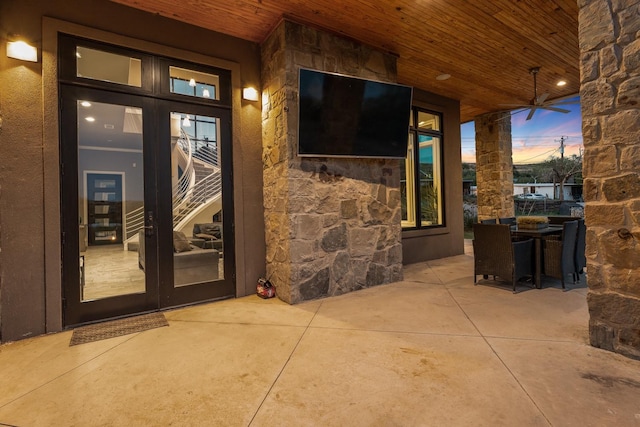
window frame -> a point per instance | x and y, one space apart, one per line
150 63
413 206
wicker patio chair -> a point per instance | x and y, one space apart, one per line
580 259
495 254
509 220
559 254
488 221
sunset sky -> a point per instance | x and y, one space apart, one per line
538 139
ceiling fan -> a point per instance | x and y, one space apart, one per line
538 102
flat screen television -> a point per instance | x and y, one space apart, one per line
342 116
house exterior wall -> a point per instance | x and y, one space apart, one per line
332 224
610 91
30 278
30 242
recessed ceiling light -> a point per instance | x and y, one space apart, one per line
85 104
90 119
443 77
561 83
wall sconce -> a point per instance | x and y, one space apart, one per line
250 94
22 50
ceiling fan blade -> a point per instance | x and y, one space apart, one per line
533 110
515 105
564 103
542 98
513 113
559 110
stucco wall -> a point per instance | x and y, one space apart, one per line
30 288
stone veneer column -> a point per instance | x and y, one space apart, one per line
332 225
494 165
610 95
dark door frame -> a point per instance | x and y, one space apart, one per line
171 296
74 310
154 100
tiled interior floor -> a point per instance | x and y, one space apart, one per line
432 350
110 271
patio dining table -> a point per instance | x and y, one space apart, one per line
537 234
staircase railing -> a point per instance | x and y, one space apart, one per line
180 190
202 192
207 182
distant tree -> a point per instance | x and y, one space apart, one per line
469 172
516 174
562 169
531 173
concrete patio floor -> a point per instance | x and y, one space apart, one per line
432 350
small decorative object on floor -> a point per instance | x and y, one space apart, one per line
265 289
532 222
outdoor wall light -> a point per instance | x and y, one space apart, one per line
250 94
22 50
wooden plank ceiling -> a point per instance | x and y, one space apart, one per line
486 46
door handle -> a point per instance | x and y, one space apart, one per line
149 227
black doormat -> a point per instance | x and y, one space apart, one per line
117 328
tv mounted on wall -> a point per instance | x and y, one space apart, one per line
342 116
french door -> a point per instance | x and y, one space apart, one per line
145 186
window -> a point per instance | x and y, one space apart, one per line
193 83
421 176
108 67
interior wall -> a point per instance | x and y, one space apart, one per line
30 298
440 242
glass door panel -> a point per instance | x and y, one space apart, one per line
196 180
106 189
110 199
197 138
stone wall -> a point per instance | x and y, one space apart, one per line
494 166
332 225
610 93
